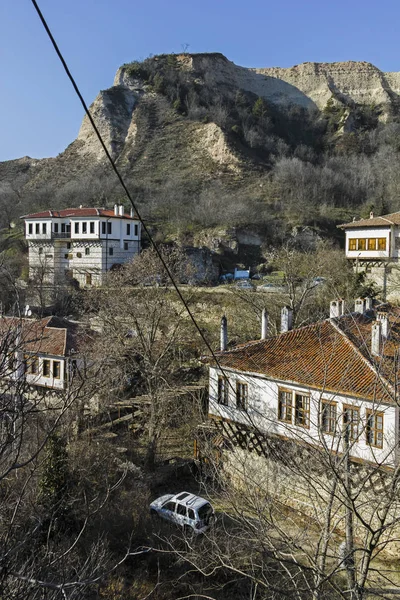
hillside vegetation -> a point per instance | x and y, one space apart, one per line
198 151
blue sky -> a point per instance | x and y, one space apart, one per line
39 112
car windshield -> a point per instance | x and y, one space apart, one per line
205 511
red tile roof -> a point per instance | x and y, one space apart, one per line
51 335
77 212
383 221
332 355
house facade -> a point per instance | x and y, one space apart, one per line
330 384
80 243
39 354
373 247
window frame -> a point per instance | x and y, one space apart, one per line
88 279
374 414
87 251
329 420
351 424
55 227
103 228
288 412
37 228
223 390
382 242
30 228
109 228
304 411
242 394
46 367
126 246
84 227
352 242
76 227
56 368
92 228
128 229
136 230
111 251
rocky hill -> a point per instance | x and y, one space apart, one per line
204 143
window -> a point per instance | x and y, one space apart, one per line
374 429
40 250
241 395
353 244
372 243
46 368
44 227
302 410
170 506
362 244
87 251
382 244
68 245
126 246
76 227
31 364
66 255
49 256
88 279
328 417
191 514
181 510
63 228
223 391
136 230
79 255
109 228
55 227
111 251
37 230
84 227
351 420
91 226
128 229
56 369
285 405
103 227
30 228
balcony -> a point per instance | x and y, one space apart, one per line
61 236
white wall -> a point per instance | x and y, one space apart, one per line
365 234
262 413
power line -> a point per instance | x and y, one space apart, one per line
118 174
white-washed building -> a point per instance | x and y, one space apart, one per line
39 353
373 247
331 384
80 243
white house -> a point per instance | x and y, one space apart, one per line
331 384
41 353
81 243
373 238
373 247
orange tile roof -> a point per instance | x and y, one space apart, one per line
382 221
77 212
50 335
331 355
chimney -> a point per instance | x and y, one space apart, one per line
224 334
371 215
286 319
121 210
336 308
264 324
368 303
385 327
376 338
131 213
359 305
116 209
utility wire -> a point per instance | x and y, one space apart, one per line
118 174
